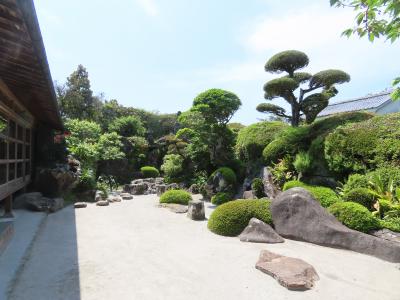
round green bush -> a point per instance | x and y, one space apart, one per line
253 139
231 218
221 198
359 147
361 196
355 181
227 173
257 186
354 216
176 196
149 172
325 196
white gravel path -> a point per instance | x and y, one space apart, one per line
134 250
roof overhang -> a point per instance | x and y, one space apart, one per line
23 62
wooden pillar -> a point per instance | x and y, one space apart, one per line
8 207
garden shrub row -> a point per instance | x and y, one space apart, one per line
325 196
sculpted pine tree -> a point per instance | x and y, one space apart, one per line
304 106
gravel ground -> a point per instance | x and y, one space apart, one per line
134 250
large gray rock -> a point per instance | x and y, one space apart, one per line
139 189
80 205
297 215
56 204
196 210
292 273
161 189
270 189
56 181
176 208
23 201
259 232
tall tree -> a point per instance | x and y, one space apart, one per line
375 19
307 106
76 100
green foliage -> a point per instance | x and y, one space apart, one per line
289 142
354 216
172 167
363 146
228 175
386 175
282 171
287 61
221 198
109 146
231 218
109 180
257 186
87 181
176 196
76 100
284 87
127 126
149 172
361 196
325 196
253 139
302 162
82 131
355 181
216 105
391 224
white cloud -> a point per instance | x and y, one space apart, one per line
149 6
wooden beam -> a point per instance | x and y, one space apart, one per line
10 95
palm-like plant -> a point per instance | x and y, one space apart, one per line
388 196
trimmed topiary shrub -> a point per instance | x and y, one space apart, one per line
227 173
362 146
361 196
391 224
231 218
176 196
354 216
325 196
257 187
253 139
302 163
221 198
355 181
149 172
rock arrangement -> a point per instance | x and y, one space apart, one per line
259 232
297 215
149 186
292 273
36 202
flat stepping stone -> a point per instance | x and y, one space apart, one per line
113 199
80 205
126 196
292 273
103 203
259 232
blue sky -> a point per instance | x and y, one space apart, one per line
159 54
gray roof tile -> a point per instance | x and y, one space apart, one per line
364 103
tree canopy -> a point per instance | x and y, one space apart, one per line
303 106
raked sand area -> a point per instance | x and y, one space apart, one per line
135 250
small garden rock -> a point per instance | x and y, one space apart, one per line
126 196
196 210
176 208
248 195
80 205
102 203
259 232
292 273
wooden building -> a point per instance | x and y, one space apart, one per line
27 97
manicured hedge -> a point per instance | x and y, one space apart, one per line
391 224
176 196
257 187
354 216
363 146
149 172
324 195
253 139
231 218
361 196
221 198
227 173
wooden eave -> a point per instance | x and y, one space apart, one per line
23 62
